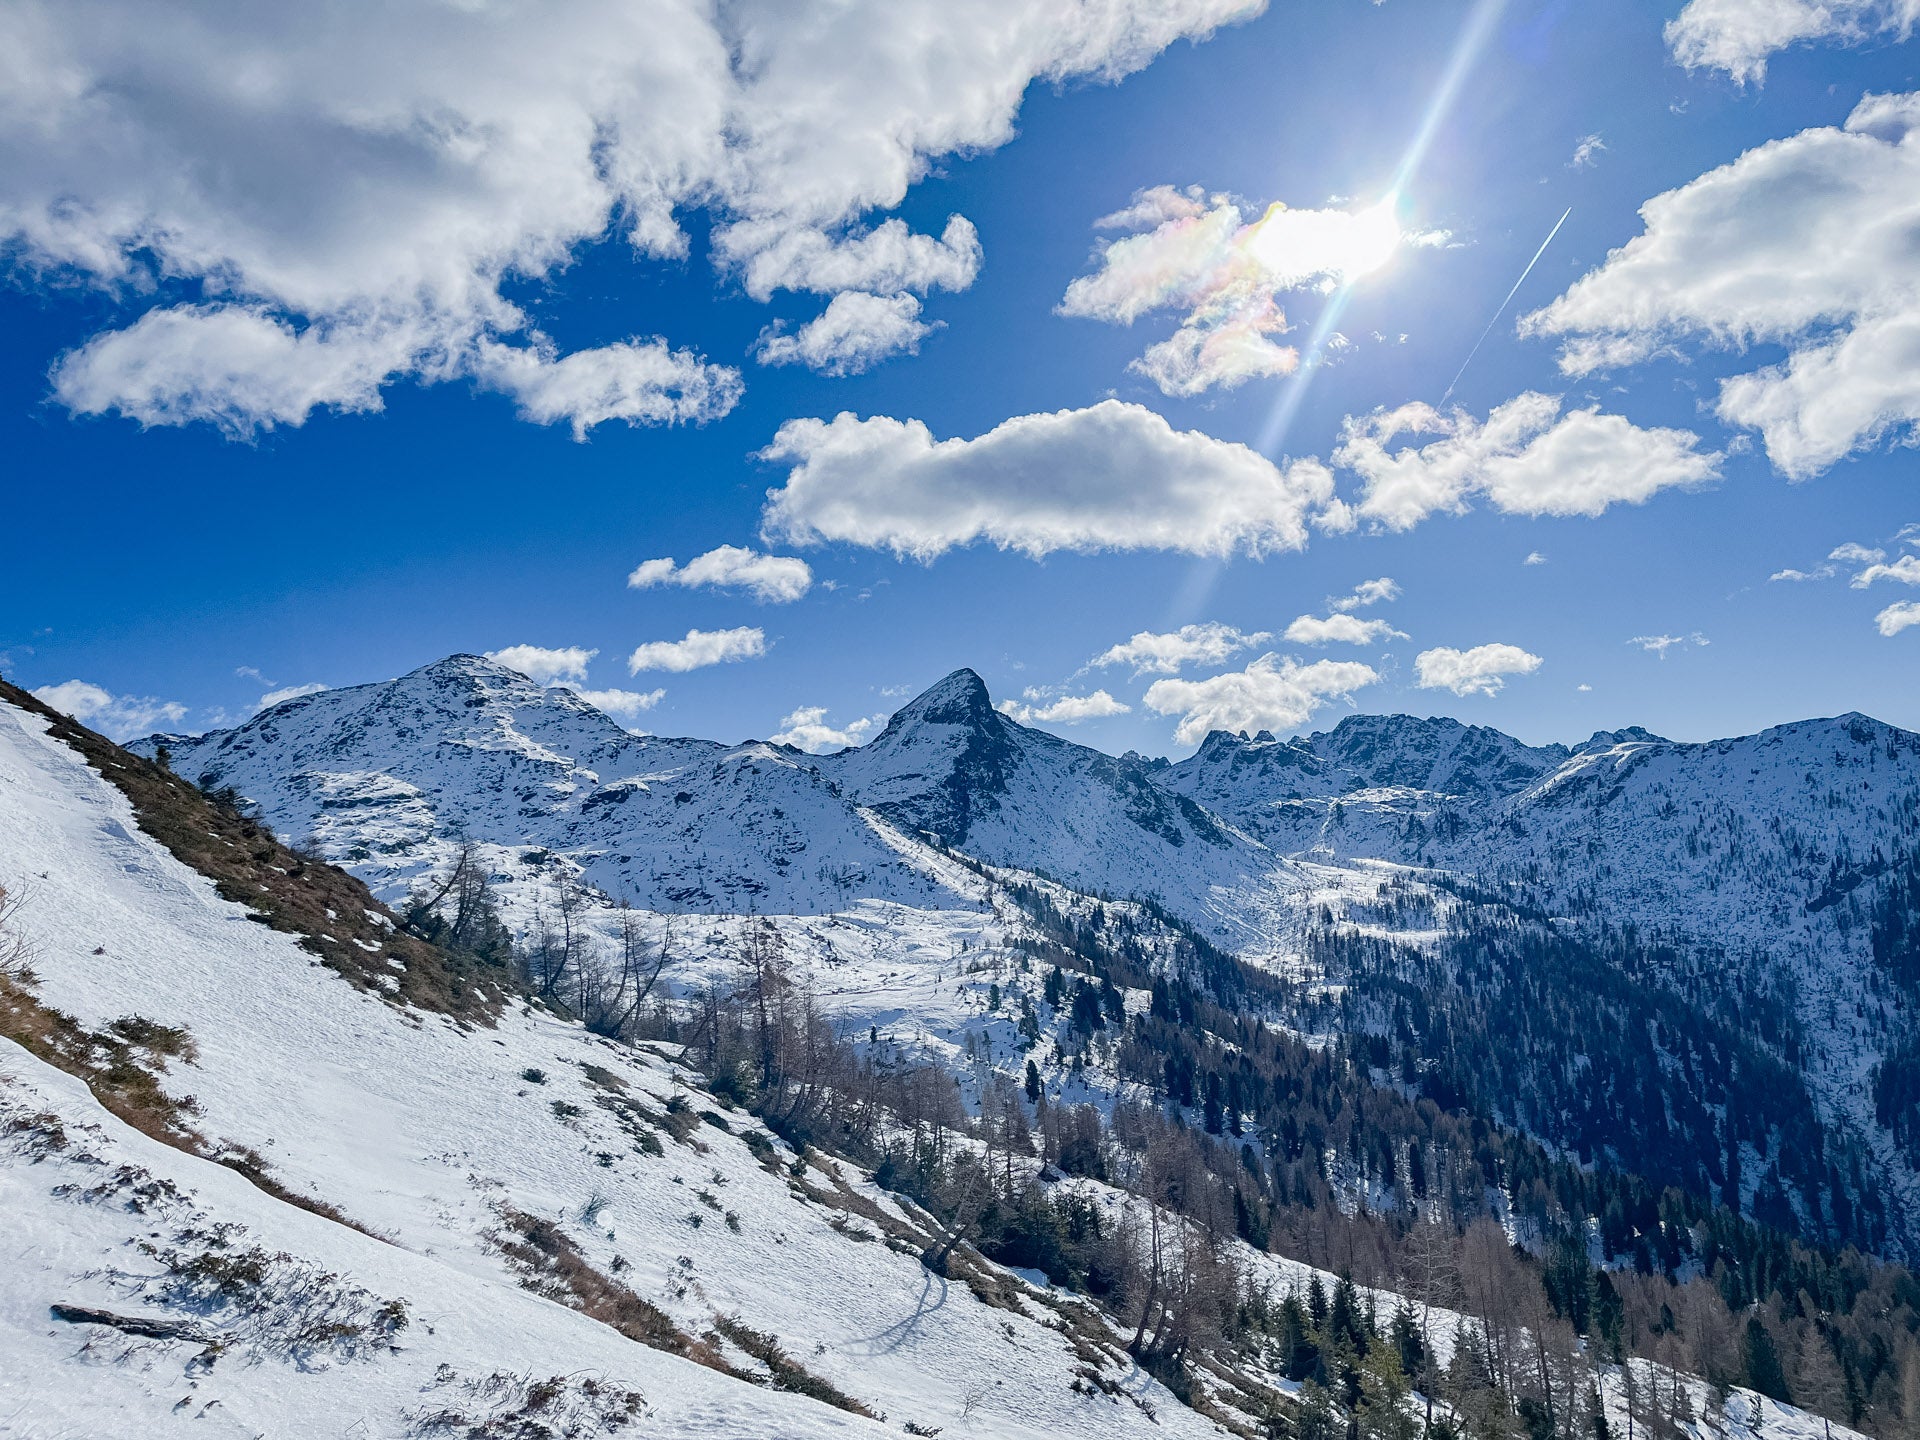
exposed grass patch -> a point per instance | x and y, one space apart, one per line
788 1373
551 1265
334 914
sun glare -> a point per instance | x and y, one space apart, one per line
1335 246
1372 239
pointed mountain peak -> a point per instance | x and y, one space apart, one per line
960 699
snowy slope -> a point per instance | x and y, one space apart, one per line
428 1132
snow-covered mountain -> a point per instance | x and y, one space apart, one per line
460 1223
1753 862
382 776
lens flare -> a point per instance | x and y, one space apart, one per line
1293 247
1372 240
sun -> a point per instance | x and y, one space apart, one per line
1328 248
1371 241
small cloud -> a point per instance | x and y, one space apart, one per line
1272 693
621 704
1583 689
1367 592
1148 652
807 729
1905 570
1067 710
771 579
1341 629
290 692
544 666
853 334
1586 153
1661 644
247 672
1855 554
1483 670
1825 572
119 717
1895 618
1534 557
698 649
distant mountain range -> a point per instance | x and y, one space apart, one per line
1741 873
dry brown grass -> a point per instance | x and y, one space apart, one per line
285 890
551 1265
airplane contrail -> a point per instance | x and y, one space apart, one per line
1506 302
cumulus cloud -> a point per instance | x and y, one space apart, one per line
1483 670
119 717
1368 592
807 729
1661 644
290 692
1201 255
1272 693
345 187
1208 643
621 704
856 332
1111 477
1738 36
544 666
1897 617
1586 152
1905 570
1525 458
771 579
1805 242
1036 709
1340 629
699 649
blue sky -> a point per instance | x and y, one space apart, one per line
202 512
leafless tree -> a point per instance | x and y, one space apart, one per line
16 951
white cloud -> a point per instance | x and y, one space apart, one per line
1825 572
621 704
1340 629
1208 643
119 717
1067 710
1854 553
1483 670
1737 36
1585 152
639 381
1273 693
1897 617
698 649
1526 458
1906 570
807 729
1534 557
544 666
1661 644
1805 242
1368 592
1111 477
1200 255
348 186
290 692
771 579
853 334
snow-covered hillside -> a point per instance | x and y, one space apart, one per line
454 1144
